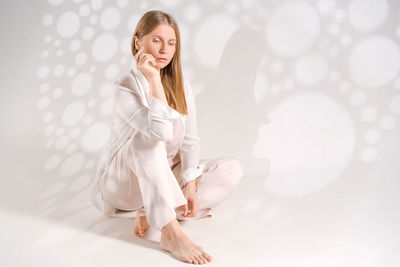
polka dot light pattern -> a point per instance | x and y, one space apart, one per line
327 76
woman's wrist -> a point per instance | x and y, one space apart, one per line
191 184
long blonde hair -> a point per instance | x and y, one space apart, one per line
171 75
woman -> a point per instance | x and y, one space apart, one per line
151 168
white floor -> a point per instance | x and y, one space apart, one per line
353 222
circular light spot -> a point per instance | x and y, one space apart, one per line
112 71
55 2
87 119
358 97
110 18
318 152
47 20
59 53
43 71
123 3
387 122
43 103
326 6
93 19
84 10
345 40
73 113
52 163
374 62
44 88
80 58
47 117
340 15
368 15
87 33
372 136
105 90
58 70
192 12
75 132
91 102
95 137
277 66
59 131
90 164
57 42
72 165
61 142
68 24
395 104
45 54
81 84
57 93
71 149
344 87
104 47
334 76
49 130
311 69
368 155
369 114
74 45
96 4
218 28
125 46
71 72
169 3
293 28
106 107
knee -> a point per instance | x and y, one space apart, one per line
235 171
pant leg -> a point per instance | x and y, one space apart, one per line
160 191
121 189
219 179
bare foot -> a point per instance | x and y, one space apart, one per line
141 223
174 240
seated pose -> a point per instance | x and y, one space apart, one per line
151 169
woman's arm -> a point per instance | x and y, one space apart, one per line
153 121
190 149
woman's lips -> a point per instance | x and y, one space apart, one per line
161 59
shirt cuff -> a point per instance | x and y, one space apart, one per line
161 110
192 173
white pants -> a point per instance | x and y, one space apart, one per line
132 183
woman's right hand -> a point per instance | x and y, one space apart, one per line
147 64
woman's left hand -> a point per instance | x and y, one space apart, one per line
190 193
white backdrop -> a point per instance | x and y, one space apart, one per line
306 93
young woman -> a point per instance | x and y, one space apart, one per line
151 168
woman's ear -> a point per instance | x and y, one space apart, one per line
137 43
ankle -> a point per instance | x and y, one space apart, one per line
172 228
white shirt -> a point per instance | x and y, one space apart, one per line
132 113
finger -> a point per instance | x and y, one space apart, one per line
139 53
185 209
195 208
151 60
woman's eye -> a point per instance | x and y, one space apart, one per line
156 40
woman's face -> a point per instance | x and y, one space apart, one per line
160 43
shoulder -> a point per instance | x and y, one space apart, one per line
127 82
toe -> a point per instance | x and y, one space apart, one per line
204 259
200 259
